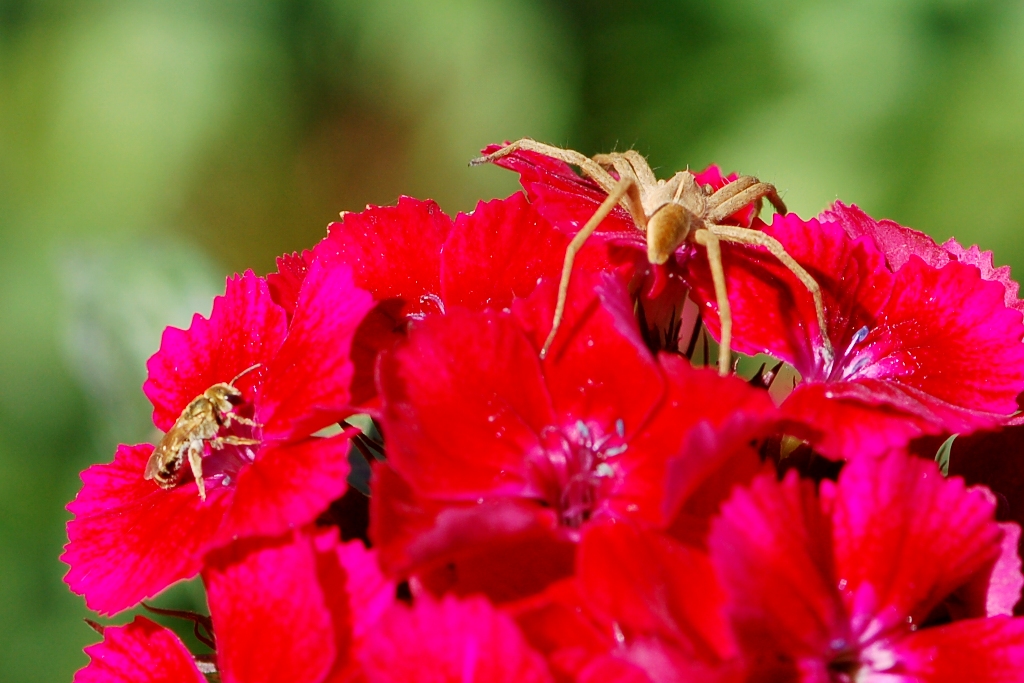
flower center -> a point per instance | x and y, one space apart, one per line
229 451
847 364
573 466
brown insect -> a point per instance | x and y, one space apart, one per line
670 212
197 426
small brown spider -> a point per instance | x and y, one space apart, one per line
670 212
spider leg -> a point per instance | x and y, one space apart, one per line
747 189
641 168
195 461
731 190
633 201
618 192
731 233
590 168
710 242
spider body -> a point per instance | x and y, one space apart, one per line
670 213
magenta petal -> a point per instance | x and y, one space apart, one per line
772 547
139 652
307 383
272 620
394 251
977 650
1006 582
497 253
456 641
995 460
905 538
947 333
245 328
984 262
896 242
773 313
479 370
288 486
370 593
131 539
899 243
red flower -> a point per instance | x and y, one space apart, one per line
921 350
415 261
130 538
499 458
850 582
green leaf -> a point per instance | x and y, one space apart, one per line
942 456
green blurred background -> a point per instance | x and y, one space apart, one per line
149 149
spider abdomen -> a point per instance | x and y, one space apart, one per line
667 230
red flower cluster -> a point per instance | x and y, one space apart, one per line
607 513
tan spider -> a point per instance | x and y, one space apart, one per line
670 212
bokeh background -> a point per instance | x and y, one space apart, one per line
148 149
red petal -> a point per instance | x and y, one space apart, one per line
382 328
480 368
772 548
648 584
287 281
394 251
273 620
139 652
773 313
245 328
505 548
905 538
850 420
598 369
709 443
307 382
131 539
977 650
461 641
565 198
497 253
558 622
288 486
